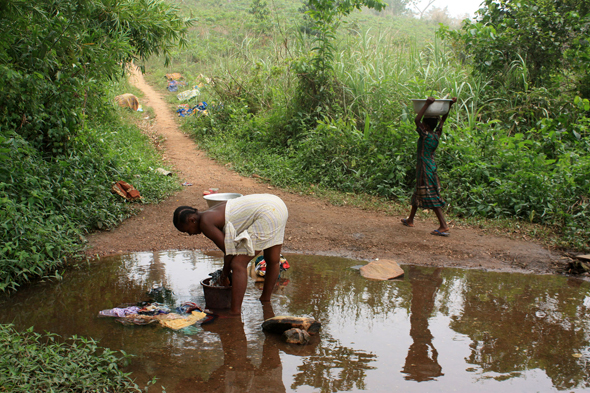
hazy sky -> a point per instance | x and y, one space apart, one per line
457 7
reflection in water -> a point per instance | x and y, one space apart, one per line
422 360
238 373
334 368
488 331
515 326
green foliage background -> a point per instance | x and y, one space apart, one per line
63 141
48 205
30 362
515 145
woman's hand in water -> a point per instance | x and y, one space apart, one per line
224 280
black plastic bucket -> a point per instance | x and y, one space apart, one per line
216 297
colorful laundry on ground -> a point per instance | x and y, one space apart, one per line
188 313
183 322
174 76
173 85
127 100
185 110
260 265
188 94
154 309
119 312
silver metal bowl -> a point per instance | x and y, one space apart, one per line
214 199
437 108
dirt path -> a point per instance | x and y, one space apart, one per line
314 226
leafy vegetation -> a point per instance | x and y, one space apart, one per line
30 362
62 142
515 146
47 206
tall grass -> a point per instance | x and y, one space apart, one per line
503 153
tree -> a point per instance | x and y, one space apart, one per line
421 8
55 56
439 15
316 72
548 36
259 9
397 7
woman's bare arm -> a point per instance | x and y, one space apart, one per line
420 115
444 118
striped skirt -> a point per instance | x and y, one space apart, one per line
254 223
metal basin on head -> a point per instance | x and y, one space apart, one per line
437 108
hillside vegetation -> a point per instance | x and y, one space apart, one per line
319 94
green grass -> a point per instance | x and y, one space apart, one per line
30 362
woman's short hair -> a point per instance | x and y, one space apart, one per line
181 215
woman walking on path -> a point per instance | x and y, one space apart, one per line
241 228
427 192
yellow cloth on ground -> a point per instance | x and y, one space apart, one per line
254 223
180 323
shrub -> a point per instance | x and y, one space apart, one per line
30 362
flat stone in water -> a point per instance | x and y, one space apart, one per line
296 336
382 269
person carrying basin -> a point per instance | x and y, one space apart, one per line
241 228
427 192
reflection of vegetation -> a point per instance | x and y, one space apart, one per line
515 323
329 293
334 368
523 323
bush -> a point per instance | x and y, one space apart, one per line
30 362
47 205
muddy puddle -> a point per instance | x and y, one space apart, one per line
444 330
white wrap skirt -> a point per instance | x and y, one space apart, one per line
254 223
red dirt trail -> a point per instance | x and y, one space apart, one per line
314 226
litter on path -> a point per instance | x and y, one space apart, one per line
125 190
